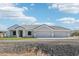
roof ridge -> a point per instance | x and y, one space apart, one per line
36 26
13 25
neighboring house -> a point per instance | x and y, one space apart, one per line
38 31
2 34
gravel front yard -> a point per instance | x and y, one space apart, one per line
39 47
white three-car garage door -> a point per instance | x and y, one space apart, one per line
43 34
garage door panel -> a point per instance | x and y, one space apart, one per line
43 34
61 34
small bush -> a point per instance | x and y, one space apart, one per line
76 33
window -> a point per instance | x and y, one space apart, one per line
14 32
29 33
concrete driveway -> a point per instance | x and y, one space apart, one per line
61 38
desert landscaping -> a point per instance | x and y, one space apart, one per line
39 47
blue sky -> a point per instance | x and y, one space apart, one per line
65 15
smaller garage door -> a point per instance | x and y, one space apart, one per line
61 34
43 34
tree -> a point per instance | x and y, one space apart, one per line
76 33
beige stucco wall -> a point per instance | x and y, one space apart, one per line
48 32
44 29
25 34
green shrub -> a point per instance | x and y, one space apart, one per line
76 33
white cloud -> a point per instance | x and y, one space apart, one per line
66 7
3 27
25 8
69 20
40 23
6 4
10 11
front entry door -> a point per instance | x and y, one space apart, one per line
20 33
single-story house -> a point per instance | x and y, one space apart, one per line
38 31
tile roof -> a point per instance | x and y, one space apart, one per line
59 28
30 27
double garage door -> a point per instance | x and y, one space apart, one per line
48 34
61 34
44 34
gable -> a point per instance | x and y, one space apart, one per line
14 27
19 28
43 28
29 27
